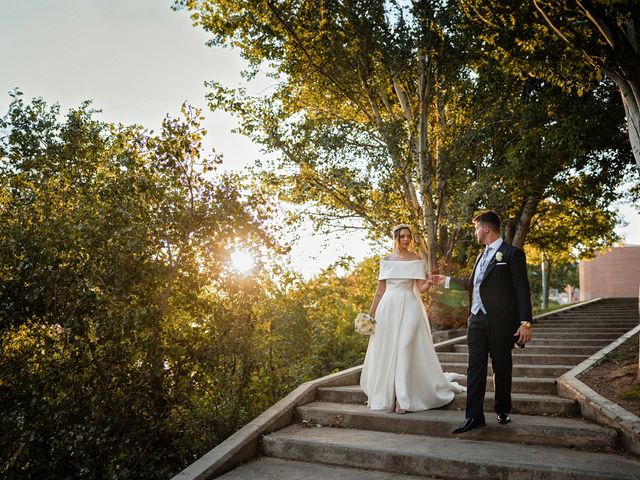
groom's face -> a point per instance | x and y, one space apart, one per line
481 232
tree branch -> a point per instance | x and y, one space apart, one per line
316 67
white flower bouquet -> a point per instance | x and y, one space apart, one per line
365 324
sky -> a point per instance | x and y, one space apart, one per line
138 60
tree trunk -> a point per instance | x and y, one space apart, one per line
623 62
631 100
156 354
524 222
546 281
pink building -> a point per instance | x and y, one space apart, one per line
613 273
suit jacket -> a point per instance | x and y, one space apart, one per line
504 290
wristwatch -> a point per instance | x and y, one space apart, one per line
526 324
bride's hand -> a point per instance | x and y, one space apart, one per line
437 279
423 285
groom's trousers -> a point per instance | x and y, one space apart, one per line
484 341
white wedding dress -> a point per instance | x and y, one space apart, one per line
401 362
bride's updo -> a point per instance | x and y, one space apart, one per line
396 232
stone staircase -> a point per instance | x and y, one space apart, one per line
338 437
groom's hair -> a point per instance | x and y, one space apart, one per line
489 218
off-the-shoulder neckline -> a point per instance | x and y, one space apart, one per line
416 260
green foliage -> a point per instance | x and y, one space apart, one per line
568 44
129 346
364 97
123 331
386 111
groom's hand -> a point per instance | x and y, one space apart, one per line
523 334
437 279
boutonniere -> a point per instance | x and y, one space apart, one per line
499 256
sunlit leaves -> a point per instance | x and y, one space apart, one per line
118 310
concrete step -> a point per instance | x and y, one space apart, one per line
565 329
586 325
581 327
626 310
587 342
599 317
518 370
450 458
576 335
614 315
520 357
278 469
532 430
545 349
539 386
599 313
525 403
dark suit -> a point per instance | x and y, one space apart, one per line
505 295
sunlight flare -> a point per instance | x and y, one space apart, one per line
242 261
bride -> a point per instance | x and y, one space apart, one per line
401 370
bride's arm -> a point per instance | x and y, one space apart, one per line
382 286
423 285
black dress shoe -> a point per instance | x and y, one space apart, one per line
469 424
504 418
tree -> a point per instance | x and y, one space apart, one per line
365 96
570 43
120 321
539 143
385 112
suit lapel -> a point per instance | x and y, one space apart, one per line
493 262
473 272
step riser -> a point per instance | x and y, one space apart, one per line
538 388
582 439
610 331
402 463
518 370
521 358
591 320
605 337
527 407
604 313
630 319
546 350
550 342
581 327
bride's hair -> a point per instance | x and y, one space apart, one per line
397 228
396 233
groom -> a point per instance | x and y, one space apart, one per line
500 315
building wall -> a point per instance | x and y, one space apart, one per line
614 273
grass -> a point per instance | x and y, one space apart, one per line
633 393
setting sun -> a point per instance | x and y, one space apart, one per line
242 261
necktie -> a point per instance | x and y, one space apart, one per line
485 257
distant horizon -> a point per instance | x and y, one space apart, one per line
139 61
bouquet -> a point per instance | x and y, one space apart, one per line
365 324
